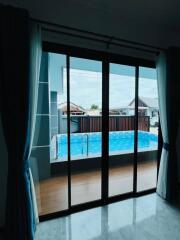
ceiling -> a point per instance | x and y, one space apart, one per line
154 22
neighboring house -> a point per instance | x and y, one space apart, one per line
146 106
122 111
94 112
74 109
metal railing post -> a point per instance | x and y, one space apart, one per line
82 140
57 147
87 144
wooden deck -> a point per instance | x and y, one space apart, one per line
52 195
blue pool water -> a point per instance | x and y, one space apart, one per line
89 144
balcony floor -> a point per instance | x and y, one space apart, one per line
52 195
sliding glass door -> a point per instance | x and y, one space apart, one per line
148 122
121 128
102 123
85 129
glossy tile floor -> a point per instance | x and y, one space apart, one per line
144 218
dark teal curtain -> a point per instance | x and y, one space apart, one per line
16 110
168 79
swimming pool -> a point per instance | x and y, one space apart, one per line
90 144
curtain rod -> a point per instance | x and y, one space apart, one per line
108 40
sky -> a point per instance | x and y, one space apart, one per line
86 87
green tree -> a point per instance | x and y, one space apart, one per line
94 107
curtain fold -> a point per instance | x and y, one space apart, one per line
168 90
162 83
35 62
20 54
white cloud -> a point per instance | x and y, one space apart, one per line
86 88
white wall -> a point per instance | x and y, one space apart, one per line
156 23
56 64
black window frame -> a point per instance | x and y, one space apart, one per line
106 58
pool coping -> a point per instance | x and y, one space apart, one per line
115 153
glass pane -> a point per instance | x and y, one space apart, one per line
121 129
52 188
85 127
148 121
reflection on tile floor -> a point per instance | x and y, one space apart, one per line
143 218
